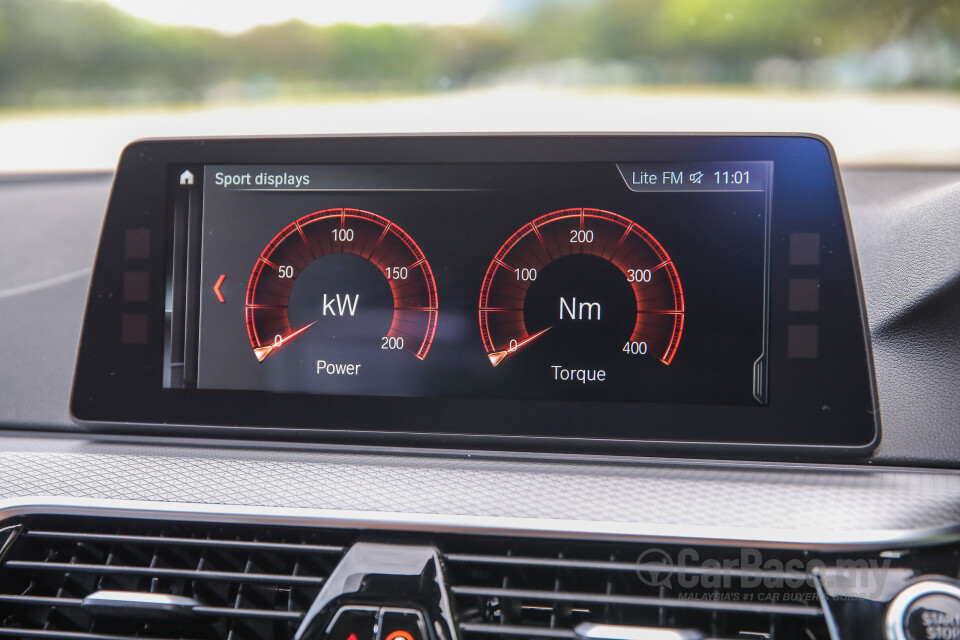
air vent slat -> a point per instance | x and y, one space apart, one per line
188 574
520 561
265 614
226 612
43 600
511 630
642 601
73 635
278 547
630 567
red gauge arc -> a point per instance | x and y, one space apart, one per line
341 231
635 253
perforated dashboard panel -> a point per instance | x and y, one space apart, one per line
646 498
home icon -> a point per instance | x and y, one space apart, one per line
186 177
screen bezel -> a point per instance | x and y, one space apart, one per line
119 387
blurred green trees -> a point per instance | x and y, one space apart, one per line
68 52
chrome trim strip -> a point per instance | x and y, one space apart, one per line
482 525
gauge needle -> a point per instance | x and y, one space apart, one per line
262 352
497 357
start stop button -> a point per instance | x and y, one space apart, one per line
925 610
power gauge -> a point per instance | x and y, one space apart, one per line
351 280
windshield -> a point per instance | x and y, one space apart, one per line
80 79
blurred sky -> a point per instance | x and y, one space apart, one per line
239 15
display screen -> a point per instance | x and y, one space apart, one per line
623 282
569 292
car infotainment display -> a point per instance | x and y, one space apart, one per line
505 291
551 281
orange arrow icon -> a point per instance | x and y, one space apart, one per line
216 287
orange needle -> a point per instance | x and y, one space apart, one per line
497 357
262 352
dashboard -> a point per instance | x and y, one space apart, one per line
162 459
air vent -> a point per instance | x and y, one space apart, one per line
229 583
548 589
115 579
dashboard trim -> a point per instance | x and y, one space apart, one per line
481 525
532 447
